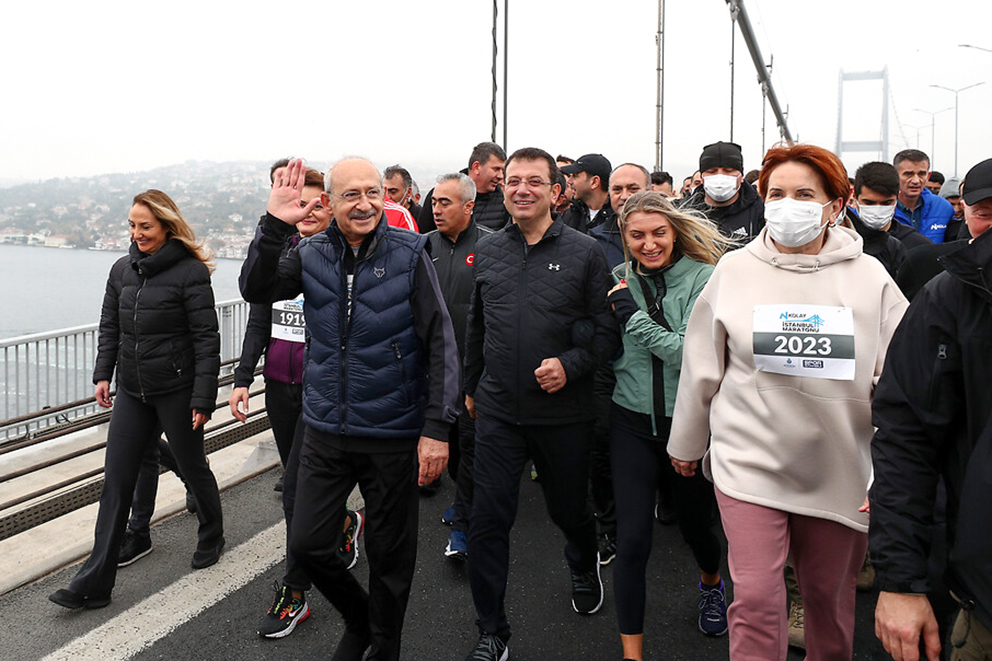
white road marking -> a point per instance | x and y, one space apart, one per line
146 622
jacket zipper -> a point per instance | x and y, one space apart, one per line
348 307
137 340
403 382
935 375
521 297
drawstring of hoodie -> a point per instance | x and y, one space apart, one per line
814 268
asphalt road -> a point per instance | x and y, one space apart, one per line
163 610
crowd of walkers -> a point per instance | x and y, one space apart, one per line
795 355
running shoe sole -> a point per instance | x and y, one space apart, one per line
136 558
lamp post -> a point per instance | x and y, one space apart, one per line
933 122
917 129
956 93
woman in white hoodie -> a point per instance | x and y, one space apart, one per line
781 355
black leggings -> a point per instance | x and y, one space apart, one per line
638 458
133 424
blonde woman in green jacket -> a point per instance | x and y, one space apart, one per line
669 256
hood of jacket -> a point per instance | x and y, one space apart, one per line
841 244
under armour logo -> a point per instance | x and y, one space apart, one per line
379 272
554 267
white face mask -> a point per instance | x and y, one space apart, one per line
720 187
876 216
794 223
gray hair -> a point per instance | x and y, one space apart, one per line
465 185
330 170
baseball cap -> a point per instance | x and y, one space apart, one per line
978 183
594 164
721 155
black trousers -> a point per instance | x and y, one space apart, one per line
600 473
561 455
283 404
133 427
295 577
146 489
461 445
388 482
639 460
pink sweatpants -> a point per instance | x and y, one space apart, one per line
827 557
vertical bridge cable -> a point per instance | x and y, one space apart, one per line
495 12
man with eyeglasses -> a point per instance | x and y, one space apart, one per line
538 327
380 388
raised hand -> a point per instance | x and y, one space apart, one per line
284 200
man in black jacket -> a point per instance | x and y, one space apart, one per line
538 327
933 411
485 169
726 199
452 247
590 178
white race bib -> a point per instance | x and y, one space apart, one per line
288 322
814 341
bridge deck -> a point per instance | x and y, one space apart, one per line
162 609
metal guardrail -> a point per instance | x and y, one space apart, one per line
85 489
56 367
47 377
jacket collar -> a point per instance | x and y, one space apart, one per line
554 231
149 265
972 263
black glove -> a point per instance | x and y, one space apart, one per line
624 305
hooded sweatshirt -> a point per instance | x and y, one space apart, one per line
790 422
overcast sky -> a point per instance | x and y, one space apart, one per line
98 87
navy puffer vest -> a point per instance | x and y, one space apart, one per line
364 375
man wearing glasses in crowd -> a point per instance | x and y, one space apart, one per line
538 327
380 388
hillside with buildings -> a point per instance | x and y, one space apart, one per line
221 201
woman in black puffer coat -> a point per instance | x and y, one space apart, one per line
158 328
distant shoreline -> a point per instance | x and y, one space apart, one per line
91 249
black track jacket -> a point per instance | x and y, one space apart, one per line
932 408
534 302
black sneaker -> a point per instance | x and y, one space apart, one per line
712 610
73 600
607 548
489 648
190 503
204 558
134 546
349 547
286 612
587 591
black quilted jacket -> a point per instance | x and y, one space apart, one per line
158 326
535 302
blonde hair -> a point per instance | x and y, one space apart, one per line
696 236
176 227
